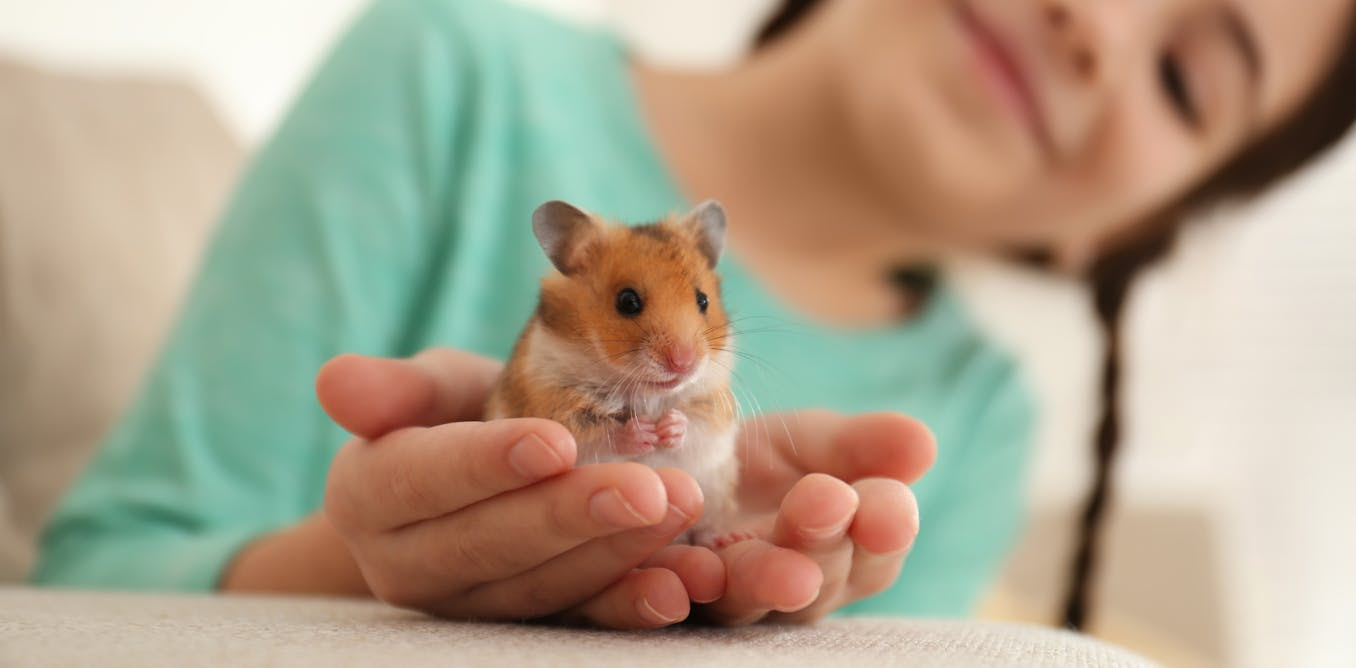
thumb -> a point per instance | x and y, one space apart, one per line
372 396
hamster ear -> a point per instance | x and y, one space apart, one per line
707 223
565 233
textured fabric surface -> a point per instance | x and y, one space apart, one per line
108 187
54 627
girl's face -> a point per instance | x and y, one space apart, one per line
1061 122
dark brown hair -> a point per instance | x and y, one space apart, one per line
1310 132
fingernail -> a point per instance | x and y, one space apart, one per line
648 611
609 507
532 458
806 604
686 517
823 534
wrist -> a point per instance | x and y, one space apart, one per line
309 557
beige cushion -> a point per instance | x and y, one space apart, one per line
51 628
107 191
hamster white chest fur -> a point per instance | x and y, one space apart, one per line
630 348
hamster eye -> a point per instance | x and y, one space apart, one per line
702 301
629 303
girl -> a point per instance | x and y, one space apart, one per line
863 139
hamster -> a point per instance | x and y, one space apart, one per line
630 349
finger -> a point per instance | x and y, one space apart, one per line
418 473
814 520
760 578
701 571
371 396
883 531
815 514
885 521
779 449
518 530
880 536
646 598
579 574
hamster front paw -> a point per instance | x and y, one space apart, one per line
672 429
636 437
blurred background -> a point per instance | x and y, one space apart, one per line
1230 542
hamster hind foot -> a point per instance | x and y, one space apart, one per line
716 540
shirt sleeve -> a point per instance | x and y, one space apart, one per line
322 250
970 528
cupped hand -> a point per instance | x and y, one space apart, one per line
492 520
827 497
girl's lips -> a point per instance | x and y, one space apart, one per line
1003 74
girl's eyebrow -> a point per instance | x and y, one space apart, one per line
1244 41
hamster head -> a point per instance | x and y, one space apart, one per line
643 302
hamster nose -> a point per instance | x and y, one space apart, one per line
679 358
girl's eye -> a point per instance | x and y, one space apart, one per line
629 303
702 301
1177 90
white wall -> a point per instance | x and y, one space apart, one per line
1242 389
248 55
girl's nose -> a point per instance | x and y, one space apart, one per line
1088 37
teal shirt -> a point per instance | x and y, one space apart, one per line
390 213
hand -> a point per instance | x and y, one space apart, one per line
828 495
491 520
